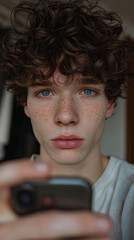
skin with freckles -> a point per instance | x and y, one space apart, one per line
76 109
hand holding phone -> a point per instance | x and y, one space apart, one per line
62 193
65 224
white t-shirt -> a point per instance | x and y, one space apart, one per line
113 194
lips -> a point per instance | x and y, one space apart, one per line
67 142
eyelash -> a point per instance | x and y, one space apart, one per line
93 92
45 90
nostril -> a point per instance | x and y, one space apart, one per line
66 121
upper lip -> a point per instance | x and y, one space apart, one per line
69 137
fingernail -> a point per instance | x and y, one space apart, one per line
41 167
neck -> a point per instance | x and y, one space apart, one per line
91 168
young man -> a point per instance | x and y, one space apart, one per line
67 67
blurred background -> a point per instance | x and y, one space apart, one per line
16 137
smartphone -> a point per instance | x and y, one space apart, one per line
62 193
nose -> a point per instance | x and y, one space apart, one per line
66 113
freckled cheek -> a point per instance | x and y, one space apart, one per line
40 117
40 113
94 112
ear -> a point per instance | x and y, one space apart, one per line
26 109
110 108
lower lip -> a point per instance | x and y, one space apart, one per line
67 144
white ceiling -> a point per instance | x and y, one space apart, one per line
125 8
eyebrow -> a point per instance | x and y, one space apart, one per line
89 81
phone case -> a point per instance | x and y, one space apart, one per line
62 193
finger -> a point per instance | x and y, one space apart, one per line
18 171
59 224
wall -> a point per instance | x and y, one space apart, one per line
125 9
114 138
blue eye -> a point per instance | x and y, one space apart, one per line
45 93
88 92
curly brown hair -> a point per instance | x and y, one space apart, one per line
56 34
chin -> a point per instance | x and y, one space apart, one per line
68 161
66 157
